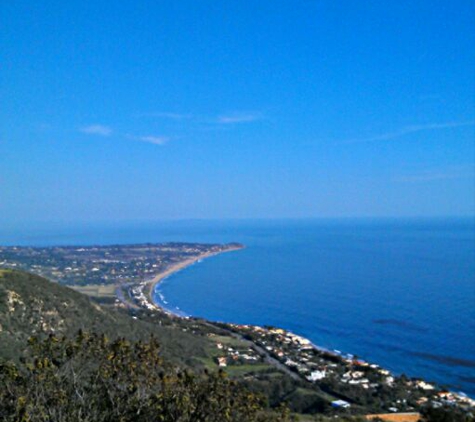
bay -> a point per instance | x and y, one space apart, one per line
397 293
400 293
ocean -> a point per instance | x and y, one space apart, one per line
399 293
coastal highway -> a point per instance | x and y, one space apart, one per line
260 350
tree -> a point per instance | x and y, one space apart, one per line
89 378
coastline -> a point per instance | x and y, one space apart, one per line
427 387
158 278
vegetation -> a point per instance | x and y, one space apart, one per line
89 378
66 376
33 306
446 414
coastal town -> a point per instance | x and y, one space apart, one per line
350 380
342 382
104 265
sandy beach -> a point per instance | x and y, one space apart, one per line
180 266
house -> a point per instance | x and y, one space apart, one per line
389 380
340 404
424 385
316 375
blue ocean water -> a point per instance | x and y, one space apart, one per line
400 293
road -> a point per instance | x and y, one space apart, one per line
261 351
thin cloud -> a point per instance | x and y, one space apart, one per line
99 130
462 172
238 118
224 119
156 140
407 130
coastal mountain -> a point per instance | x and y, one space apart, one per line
59 350
69 370
33 306
57 363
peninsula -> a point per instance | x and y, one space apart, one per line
110 273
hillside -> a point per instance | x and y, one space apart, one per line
31 305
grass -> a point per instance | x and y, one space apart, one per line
274 375
209 363
230 341
304 418
97 290
239 370
235 370
325 396
307 391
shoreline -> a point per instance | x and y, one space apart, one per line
158 278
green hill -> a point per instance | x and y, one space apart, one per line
126 363
58 364
33 306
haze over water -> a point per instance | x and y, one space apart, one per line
399 293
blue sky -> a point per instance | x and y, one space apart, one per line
151 110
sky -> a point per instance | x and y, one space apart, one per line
149 110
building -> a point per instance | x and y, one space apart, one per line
340 404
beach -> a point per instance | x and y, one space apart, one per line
180 266
360 288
